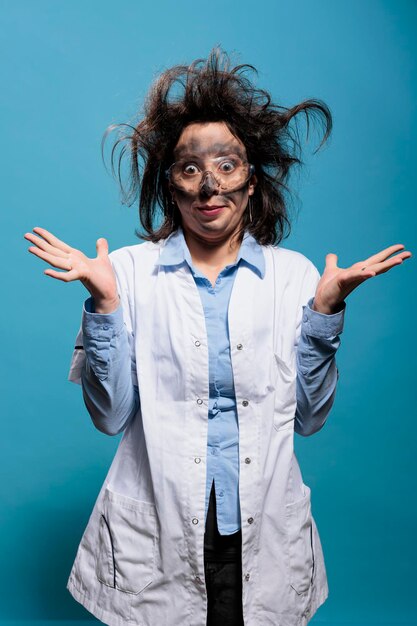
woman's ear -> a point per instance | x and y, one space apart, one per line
252 184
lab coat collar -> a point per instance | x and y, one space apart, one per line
175 252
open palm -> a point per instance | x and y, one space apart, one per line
337 283
96 275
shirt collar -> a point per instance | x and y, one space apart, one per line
175 251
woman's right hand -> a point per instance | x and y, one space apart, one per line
97 275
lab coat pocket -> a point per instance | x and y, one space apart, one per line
300 542
285 393
125 552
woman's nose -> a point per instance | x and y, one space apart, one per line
209 184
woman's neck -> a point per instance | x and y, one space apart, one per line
212 253
212 257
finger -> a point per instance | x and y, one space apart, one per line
102 247
381 256
62 263
405 255
43 245
64 276
50 238
401 256
356 274
381 268
331 260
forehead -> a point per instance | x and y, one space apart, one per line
211 139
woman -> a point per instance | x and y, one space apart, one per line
208 346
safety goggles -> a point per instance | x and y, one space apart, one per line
227 173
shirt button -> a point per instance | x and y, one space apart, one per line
245 403
247 576
247 460
194 520
239 346
197 343
105 328
199 401
218 280
250 520
197 459
221 494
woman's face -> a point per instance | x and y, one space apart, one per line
210 215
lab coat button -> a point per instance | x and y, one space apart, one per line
247 460
194 520
198 579
247 576
199 401
197 459
250 520
245 403
239 346
197 343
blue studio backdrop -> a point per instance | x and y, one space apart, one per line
68 70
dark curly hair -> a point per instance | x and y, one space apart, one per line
210 90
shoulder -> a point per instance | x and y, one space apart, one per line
293 271
129 262
292 259
144 248
129 255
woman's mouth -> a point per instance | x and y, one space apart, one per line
211 211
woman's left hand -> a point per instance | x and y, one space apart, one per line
336 283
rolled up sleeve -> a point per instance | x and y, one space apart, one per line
109 393
317 372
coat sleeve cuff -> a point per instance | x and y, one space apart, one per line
102 326
322 325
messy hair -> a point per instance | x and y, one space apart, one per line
210 90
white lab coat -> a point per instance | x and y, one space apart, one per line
141 558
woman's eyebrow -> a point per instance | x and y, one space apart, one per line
214 149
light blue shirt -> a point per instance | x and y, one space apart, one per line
223 428
107 349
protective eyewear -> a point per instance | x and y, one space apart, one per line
228 173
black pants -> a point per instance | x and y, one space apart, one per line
223 572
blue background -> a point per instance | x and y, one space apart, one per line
68 70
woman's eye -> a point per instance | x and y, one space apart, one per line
227 166
190 169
